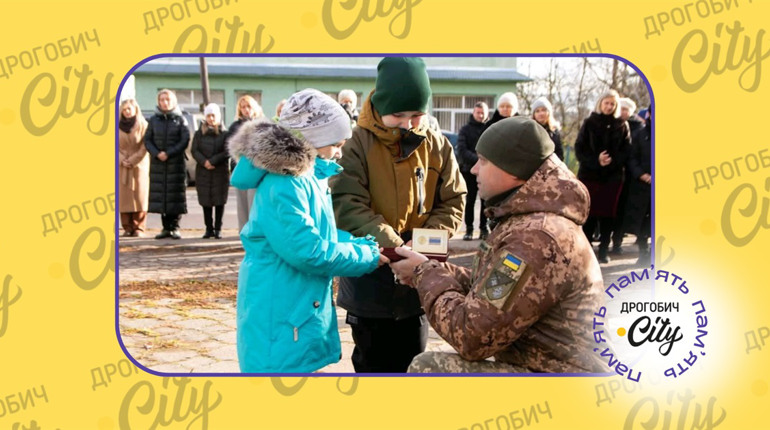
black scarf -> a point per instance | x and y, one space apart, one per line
126 124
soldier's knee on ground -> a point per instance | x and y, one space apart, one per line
426 362
446 362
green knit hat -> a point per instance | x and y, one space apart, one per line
402 85
518 145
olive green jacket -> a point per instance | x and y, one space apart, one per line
391 185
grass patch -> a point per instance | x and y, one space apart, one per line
191 291
142 331
163 344
132 313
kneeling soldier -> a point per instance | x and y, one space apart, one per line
529 297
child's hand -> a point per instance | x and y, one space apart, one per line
383 259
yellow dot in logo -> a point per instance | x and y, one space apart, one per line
56 270
657 73
6 116
759 388
105 423
708 227
621 331
309 20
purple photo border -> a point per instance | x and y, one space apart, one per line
275 55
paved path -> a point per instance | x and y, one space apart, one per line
177 306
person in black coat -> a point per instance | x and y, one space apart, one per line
542 112
466 156
638 207
248 109
602 147
212 173
627 108
166 139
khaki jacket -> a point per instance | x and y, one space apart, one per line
390 185
535 283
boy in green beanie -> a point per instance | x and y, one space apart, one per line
398 175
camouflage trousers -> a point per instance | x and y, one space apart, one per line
447 362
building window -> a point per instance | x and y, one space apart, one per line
452 111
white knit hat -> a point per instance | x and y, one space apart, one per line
318 117
510 98
628 104
212 108
542 102
348 94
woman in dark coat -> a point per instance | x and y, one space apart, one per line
639 204
542 112
603 145
248 109
212 171
627 108
166 139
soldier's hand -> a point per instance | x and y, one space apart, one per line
404 269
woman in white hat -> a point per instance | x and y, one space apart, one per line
507 106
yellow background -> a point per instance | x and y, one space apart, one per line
57 333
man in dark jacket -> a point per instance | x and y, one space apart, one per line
466 156
166 139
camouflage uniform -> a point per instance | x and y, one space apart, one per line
528 300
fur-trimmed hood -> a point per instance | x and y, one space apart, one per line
273 148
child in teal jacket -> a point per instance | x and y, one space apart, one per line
286 321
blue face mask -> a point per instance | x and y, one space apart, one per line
325 168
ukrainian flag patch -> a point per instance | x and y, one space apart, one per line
512 262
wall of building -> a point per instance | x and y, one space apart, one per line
274 89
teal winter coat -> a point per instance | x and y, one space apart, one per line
286 321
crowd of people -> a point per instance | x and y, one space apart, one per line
324 188
613 151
